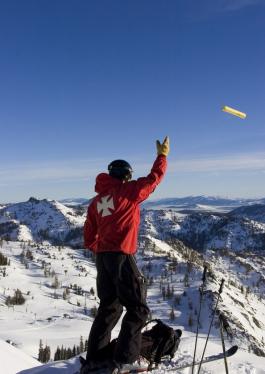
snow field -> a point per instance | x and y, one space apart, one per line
47 316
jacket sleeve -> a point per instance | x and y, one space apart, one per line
146 185
90 230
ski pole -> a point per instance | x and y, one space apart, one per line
219 294
199 314
223 343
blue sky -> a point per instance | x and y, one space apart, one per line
86 82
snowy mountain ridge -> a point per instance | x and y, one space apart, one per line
37 220
253 212
47 220
203 231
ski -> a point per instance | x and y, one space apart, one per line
220 356
175 366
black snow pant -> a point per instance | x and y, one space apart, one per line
119 283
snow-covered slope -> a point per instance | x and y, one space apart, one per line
174 275
242 363
13 360
58 282
58 367
255 212
38 220
204 231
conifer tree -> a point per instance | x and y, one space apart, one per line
190 321
81 344
172 314
62 353
164 293
186 280
68 353
41 352
3 260
57 354
74 351
177 300
168 293
47 354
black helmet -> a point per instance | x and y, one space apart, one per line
120 169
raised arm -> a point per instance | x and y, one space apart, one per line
146 185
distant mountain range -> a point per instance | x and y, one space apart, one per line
201 203
74 201
200 222
188 203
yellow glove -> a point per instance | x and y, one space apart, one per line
163 149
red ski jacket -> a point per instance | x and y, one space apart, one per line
113 216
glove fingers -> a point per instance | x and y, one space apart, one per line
166 140
163 149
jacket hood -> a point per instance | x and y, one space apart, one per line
104 182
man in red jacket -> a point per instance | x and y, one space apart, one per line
110 231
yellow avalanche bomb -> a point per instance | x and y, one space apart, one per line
235 112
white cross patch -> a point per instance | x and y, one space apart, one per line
105 205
